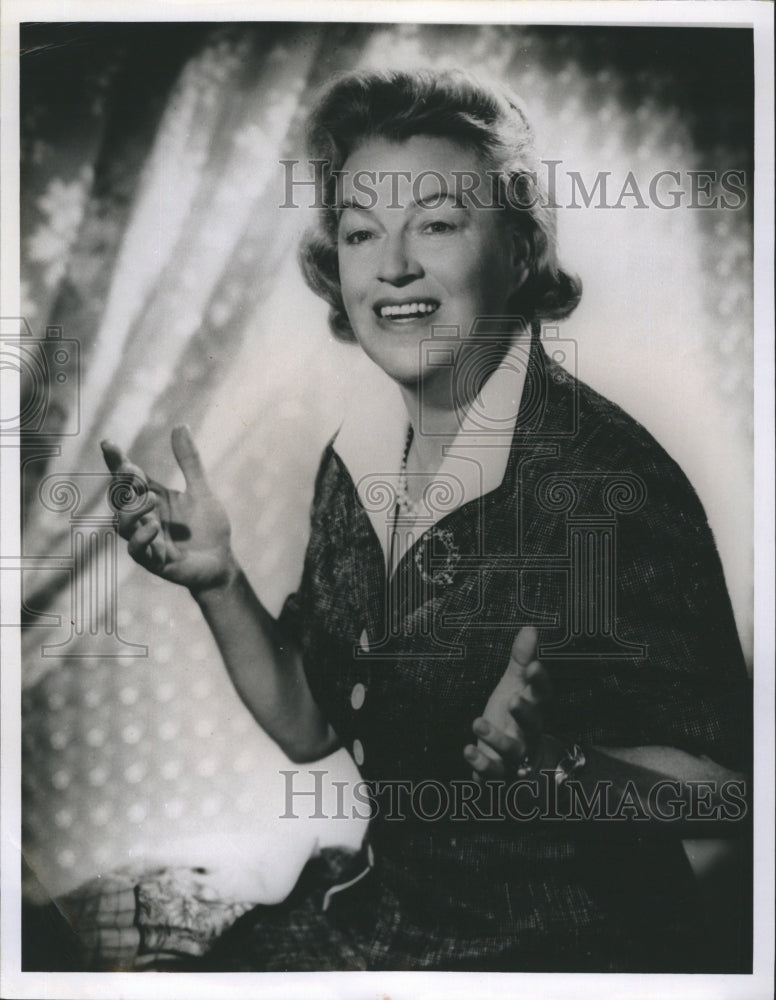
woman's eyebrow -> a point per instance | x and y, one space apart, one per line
436 199
352 203
426 201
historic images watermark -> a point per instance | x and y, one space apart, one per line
531 799
311 184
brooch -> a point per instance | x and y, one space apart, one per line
440 547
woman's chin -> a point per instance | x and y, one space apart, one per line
401 353
405 374
401 362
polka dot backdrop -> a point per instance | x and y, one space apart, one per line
146 752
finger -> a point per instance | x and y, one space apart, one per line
119 462
484 766
139 543
511 748
188 459
130 482
164 500
528 717
524 646
533 688
538 681
147 509
113 455
156 551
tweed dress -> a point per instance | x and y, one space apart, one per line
597 539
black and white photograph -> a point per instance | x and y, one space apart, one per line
387 462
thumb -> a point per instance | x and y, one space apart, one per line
118 462
524 646
113 455
187 457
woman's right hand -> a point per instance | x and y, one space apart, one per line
181 537
510 730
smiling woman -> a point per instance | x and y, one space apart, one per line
460 146
512 612
404 267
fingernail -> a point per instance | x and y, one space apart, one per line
481 726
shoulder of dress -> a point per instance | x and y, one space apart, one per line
332 479
602 439
327 462
610 437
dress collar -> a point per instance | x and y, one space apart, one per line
371 441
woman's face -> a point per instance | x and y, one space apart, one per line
416 252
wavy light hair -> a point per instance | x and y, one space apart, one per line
397 105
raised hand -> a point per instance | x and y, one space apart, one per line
181 537
509 731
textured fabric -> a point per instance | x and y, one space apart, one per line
595 537
130 920
369 927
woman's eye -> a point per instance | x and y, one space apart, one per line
359 236
438 226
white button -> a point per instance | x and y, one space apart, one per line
357 696
358 752
364 641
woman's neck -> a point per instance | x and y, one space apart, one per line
438 405
436 421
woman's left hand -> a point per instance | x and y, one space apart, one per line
510 737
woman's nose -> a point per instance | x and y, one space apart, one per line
398 265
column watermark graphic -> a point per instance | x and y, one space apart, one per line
41 406
521 428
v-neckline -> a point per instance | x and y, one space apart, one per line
537 360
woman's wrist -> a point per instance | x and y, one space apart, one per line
548 753
221 584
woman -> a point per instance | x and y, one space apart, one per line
488 500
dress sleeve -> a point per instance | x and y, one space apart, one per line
692 690
688 685
293 614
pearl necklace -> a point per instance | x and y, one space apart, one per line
443 537
404 502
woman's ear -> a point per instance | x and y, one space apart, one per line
521 257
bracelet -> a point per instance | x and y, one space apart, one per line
571 762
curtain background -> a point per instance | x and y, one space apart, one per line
152 236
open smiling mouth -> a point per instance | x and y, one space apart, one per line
399 312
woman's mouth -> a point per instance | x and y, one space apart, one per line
398 312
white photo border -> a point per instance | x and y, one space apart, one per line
14 982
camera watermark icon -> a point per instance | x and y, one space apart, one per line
46 408
48 369
506 388
500 384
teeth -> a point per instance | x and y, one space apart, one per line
408 309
